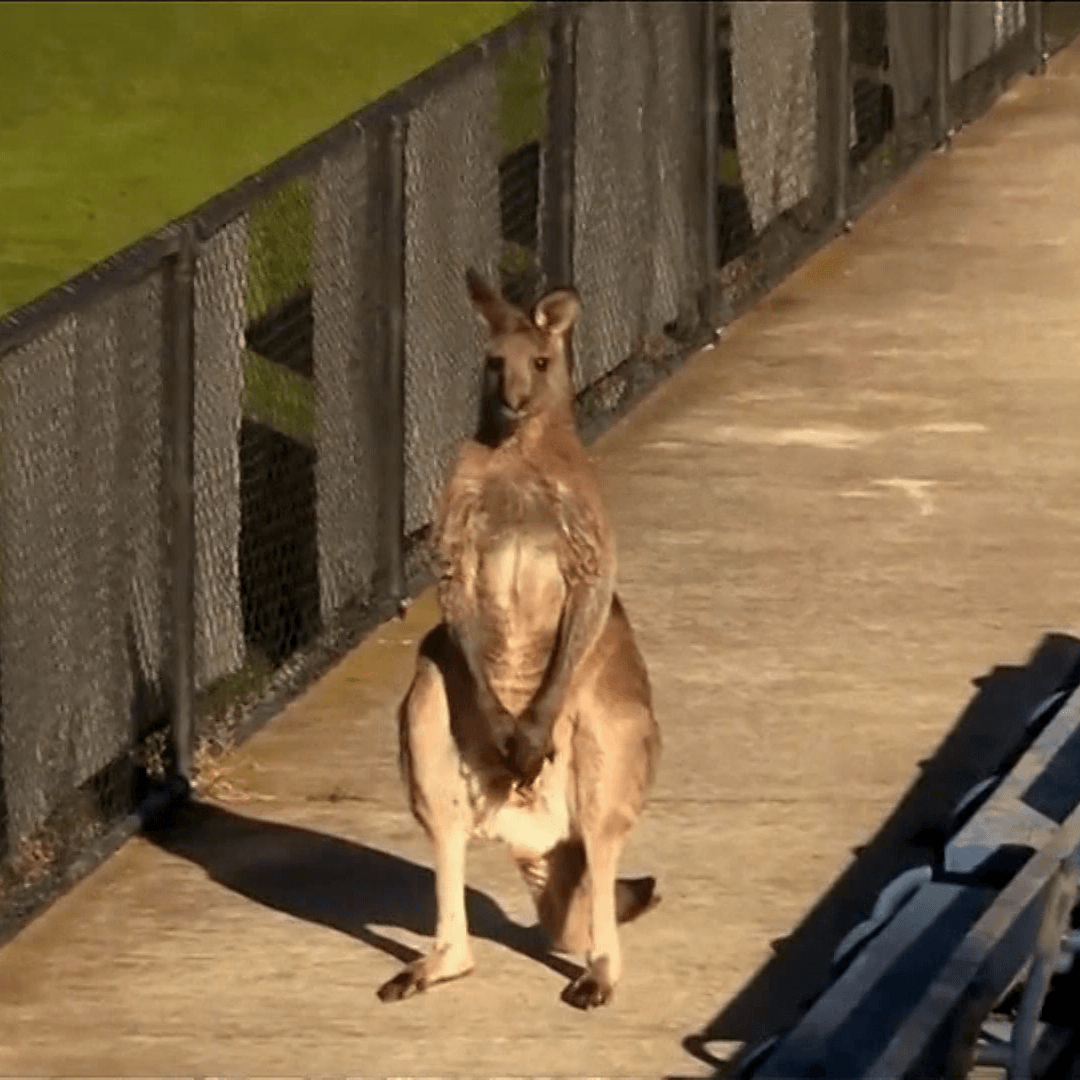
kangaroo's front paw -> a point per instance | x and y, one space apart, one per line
438 966
527 755
502 727
592 988
530 746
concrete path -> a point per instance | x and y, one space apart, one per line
866 497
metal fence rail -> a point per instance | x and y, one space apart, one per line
219 449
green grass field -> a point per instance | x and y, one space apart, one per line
116 118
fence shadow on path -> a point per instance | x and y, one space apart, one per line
983 739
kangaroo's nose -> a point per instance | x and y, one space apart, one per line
515 390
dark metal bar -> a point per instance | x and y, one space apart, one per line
710 150
942 109
842 148
834 106
389 205
180 458
557 227
1057 909
1034 10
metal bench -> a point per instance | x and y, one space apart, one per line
916 983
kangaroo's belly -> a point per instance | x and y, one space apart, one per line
531 820
520 591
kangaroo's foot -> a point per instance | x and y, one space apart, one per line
442 964
592 988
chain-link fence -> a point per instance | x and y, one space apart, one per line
219 451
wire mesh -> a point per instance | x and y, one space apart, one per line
452 221
611 265
344 275
672 131
82 552
910 54
973 27
773 171
220 287
893 78
262 362
872 99
39 546
1061 23
735 226
149 632
638 245
767 141
278 546
775 98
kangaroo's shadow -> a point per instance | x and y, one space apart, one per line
336 883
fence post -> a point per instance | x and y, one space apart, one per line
942 114
557 227
179 355
834 105
1038 35
388 220
710 150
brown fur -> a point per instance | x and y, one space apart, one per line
529 718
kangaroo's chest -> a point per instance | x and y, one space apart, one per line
519 587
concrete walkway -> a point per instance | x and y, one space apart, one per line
866 497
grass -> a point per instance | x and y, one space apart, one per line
119 117
279 398
279 246
727 168
522 115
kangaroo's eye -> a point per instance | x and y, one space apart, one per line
495 363
541 363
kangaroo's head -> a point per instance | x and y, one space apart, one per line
527 365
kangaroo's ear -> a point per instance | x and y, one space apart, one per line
495 311
557 312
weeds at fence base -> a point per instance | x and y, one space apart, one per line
44 863
213 774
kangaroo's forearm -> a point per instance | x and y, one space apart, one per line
583 619
466 633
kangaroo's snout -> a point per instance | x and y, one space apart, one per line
515 389
508 384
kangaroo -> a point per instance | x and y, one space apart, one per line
529 718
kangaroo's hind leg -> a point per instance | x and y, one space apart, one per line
615 749
439 798
560 888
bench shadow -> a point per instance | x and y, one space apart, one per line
983 739
336 883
